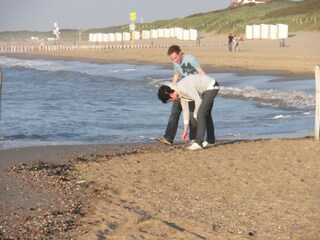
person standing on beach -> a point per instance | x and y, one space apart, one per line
201 89
184 65
230 41
235 43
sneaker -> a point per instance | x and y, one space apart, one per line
194 146
163 140
205 144
192 141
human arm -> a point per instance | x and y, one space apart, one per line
200 71
191 93
197 104
176 77
185 132
186 113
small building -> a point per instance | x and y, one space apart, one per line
267 31
238 3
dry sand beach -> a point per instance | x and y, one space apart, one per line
299 56
264 189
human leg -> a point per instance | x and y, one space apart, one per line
173 122
204 118
192 122
210 127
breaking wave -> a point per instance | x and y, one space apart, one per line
271 98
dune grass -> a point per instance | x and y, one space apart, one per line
300 16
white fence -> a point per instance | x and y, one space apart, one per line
66 47
17 48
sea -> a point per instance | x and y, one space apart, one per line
62 102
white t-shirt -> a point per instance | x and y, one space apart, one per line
191 88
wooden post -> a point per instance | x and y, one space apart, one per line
317 114
1 137
0 95
0 89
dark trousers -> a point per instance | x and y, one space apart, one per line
230 46
204 118
173 122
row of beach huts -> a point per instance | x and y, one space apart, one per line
267 31
179 33
117 40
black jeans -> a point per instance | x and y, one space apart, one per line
204 118
173 122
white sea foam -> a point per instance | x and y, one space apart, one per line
270 97
126 71
281 116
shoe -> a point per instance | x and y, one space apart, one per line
163 140
192 141
194 146
205 144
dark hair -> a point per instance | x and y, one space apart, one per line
164 93
172 49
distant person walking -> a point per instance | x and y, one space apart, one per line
281 42
235 43
230 42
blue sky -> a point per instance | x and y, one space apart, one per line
39 15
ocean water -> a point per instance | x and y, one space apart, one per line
55 102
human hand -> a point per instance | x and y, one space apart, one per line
184 136
195 117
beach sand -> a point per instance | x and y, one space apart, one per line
263 189
299 56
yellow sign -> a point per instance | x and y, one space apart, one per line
133 16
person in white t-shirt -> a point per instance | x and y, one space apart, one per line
201 89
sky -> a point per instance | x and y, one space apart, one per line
40 15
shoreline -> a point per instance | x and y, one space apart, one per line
264 188
61 153
283 74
